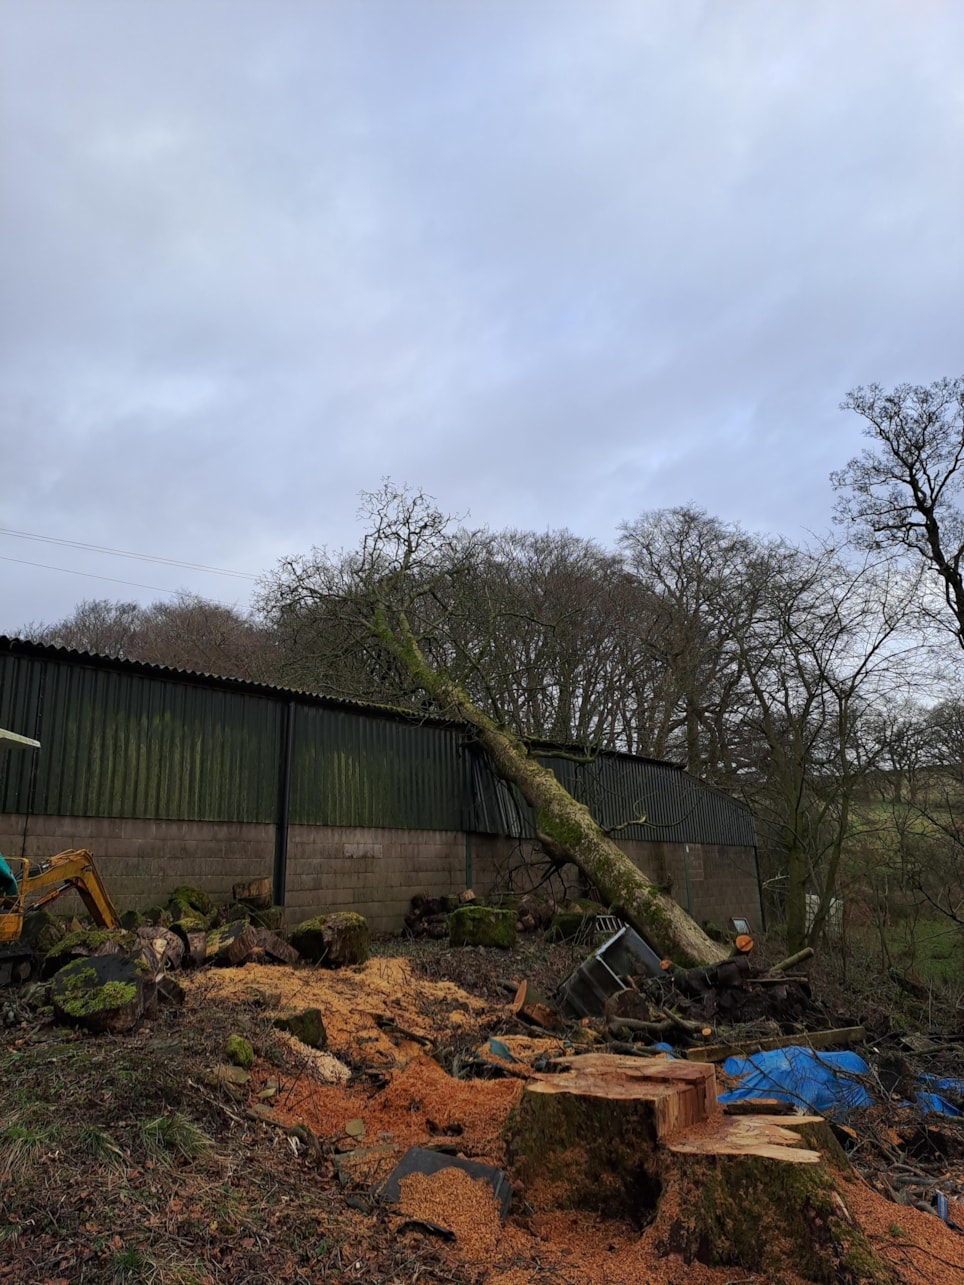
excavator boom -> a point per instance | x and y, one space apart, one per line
38 885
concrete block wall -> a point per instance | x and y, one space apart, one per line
711 882
374 872
142 861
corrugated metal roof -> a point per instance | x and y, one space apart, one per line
23 647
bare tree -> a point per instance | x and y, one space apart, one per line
403 593
824 646
688 564
904 492
96 625
189 633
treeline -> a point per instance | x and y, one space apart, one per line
817 680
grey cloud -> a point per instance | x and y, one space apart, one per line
555 263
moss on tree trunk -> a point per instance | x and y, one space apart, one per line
565 827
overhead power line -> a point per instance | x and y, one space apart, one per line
134 584
120 553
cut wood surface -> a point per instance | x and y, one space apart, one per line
676 1093
747 1135
843 1035
253 892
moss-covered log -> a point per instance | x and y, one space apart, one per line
482 926
566 828
337 940
103 993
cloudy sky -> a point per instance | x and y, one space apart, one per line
557 263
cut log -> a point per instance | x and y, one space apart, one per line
785 965
195 947
645 1141
103 993
170 990
232 945
336 941
276 947
86 943
532 1008
253 892
168 947
743 944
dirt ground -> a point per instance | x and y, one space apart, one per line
123 1158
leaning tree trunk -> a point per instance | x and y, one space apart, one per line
564 826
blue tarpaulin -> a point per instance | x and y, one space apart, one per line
821 1082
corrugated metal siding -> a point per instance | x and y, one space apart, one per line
129 740
350 769
676 807
20 689
126 745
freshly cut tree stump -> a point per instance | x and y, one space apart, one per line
646 1142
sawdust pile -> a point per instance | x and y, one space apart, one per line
462 1205
381 1018
367 1010
419 1105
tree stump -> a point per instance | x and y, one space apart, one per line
103 993
645 1141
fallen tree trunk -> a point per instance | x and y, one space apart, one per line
564 827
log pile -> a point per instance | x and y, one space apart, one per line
686 1005
428 917
108 980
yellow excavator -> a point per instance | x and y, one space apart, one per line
27 886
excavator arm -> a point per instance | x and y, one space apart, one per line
74 868
41 884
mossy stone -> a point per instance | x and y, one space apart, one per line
239 1052
131 920
482 926
308 1027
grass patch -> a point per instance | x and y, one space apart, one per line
24 1141
175 1134
99 1145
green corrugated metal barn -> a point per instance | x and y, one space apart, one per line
157 760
